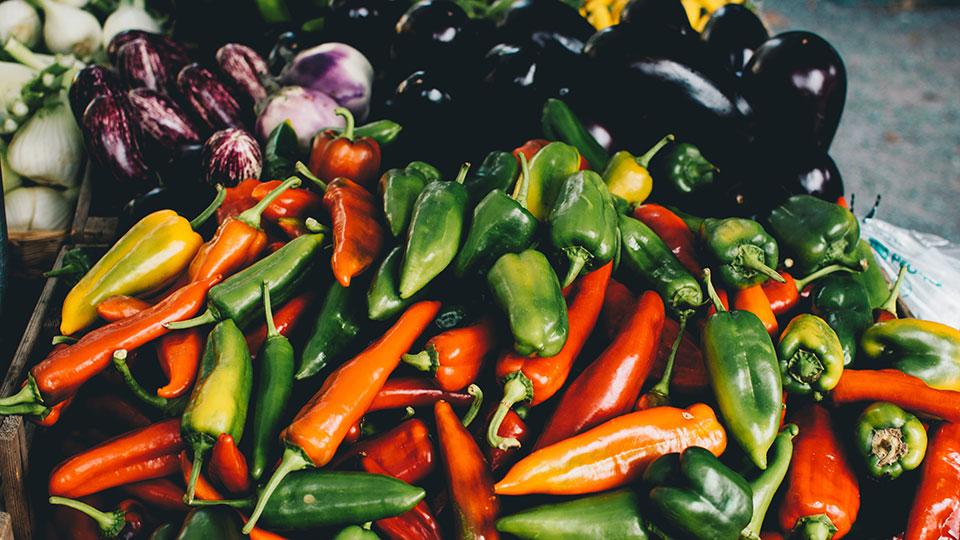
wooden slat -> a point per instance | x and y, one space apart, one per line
14 460
6 528
82 211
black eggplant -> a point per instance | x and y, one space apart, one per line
434 35
286 46
208 98
797 84
365 25
810 173
90 82
244 69
172 52
543 21
163 125
186 201
664 13
141 66
733 32
229 156
111 141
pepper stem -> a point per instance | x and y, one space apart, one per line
644 160
578 259
65 270
523 185
63 340
293 460
210 210
207 317
817 527
661 390
268 311
239 504
198 449
753 260
110 523
477 394
305 172
805 366
26 401
120 364
891 302
712 292
251 216
765 486
425 360
516 388
823 272
462 175
887 446
314 226
350 122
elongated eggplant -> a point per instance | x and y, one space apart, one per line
797 85
110 139
665 13
543 21
433 35
244 68
90 82
363 24
172 52
733 33
209 98
164 126
141 66
231 155
811 172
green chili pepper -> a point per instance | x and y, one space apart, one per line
765 486
400 189
742 366
218 403
356 532
811 357
337 327
239 297
613 515
167 406
527 290
924 349
315 498
281 152
274 386
694 495
211 523
577 223
816 233
501 224
498 171
383 297
647 259
548 169
382 131
872 277
681 175
561 124
434 234
746 254
890 439
167 531
843 303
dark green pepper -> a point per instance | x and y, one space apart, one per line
434 234
811 357
527 290
843 302
383 297
220 397
765 486
612 516
167 406
746 254
647 259
745 377
498 171
694 495
336 329
872 277
280 153
240 297
400 188
681 175
274 386
816 233
890 439
501 224
167 531
548 169
925 349
211 523
356 532
578 224
561 124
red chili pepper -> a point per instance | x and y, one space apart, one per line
160 493
336 155
618 303
783 297
754 300
114 410
238 199
611 384
674 233
286 319
120 307
512 426
935 512
417 523
897 387
228 465
455 357
689 371
402 392
536 379
126 521
354 434
53 416
529 148
468 477
292 203
404 452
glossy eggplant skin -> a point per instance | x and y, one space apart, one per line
434 35
163 125
363 24
172 52
209 99
141 66
244 69
811 172
90 82
229 156
796 83
286 46
666 13
110 139
733 32
542 22
187 201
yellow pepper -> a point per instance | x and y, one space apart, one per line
627 176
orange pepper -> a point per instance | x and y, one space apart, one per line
120 307
455 357
754 300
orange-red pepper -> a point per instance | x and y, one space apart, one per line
754 300
417 523
783 297
455 357
357 234
160 493
237 199
935 512
405 451
120 307
897 387
292 203
512 427
529 149
402 392
286 319
335 155
674 233
618 304
228 465
822 492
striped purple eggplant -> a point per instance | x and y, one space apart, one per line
231 155
173 53
111 141
91 82
208 98
141 66
164 126
244 69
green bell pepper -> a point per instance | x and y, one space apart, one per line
497 171
211 523
816 233
400 188
560 123
811 357
528 292
336 329
890 439
924 349
742 366
548 169
611 516
681 175
356 532
434 234
746 254
694 495
578 224
765 486
872 277
166 531
843 303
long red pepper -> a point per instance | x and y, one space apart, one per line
120 307
116 411
417 523
537 379
455 357
286 319
77 523
689 371
228 465
159 493
402 392
674 233
897 387
935 512
618 304
610 385
405 451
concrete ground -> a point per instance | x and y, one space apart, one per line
900 132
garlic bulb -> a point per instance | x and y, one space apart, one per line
130 15
36 208
48 149
68 29
20 21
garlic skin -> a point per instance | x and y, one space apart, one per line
130 15
19 20
48 148
37 208
70 30
12 78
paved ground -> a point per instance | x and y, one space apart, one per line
900 133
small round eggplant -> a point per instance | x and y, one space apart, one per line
796 84
245 69
111 141
336 69
664 13
91 82
434 34
733 33
229 156
208 98
543 21
141 66
173 53
164 126
804 173
363 24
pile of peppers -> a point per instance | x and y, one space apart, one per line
526 347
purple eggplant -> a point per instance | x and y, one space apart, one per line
209 98
733 32
244 68
164 125
308 111
336 69
111 141
172 52
141 66
231 155
91 82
